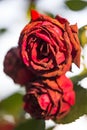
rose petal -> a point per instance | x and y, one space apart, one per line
44 101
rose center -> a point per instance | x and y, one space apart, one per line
42 50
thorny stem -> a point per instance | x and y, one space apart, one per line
79 77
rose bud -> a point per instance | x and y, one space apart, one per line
49 99
15 68
49 45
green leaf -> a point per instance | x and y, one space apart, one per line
83 35
12 105
76 4
80 107
2 30
31 124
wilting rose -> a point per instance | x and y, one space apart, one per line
49 45
15 68
49 99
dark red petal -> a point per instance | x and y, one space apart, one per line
70 97
61 20
64 107
44 101
65 83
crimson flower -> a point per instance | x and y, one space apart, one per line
15 68
49 45
49 99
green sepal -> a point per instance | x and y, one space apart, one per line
31 124
12 105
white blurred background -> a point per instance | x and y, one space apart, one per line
13 18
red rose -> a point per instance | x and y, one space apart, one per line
49 99
15 68
49 45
